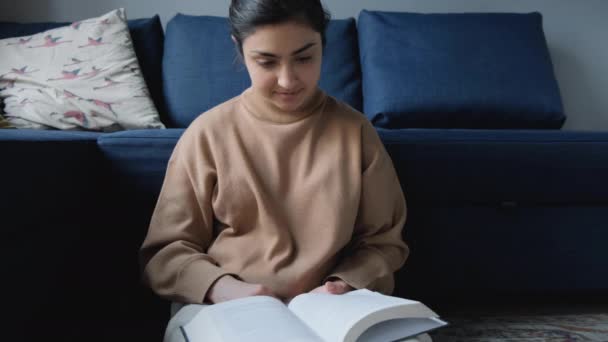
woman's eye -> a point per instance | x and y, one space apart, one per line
266 63
304 59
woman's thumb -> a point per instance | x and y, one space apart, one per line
333 287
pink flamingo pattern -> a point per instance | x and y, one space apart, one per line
24 102
109 83
22 41
9 84
21 72
76 25
94 72
95 113
80 116
70 95
50 41
104 105
74 62
67 75
66 94
131 68
93 42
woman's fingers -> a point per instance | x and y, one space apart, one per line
333 287
337 287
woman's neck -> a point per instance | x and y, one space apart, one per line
263 109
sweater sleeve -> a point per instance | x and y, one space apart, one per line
173 254
376 249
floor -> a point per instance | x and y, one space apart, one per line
555 322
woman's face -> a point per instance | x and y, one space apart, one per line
284 63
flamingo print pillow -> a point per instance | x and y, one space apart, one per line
79 77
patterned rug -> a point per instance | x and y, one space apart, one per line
528 328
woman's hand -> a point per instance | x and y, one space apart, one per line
337 286
228 288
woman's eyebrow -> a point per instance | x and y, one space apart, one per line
303 48
295 52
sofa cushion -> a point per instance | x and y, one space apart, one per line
502 169
57 226
140 157
201 68
457 70
475 252
83 76
148 39
512 209
30 135
39 167
341 70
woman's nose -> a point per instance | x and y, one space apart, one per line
287 77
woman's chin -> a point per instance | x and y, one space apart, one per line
288 106
289 103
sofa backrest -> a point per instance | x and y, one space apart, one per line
457 70
404 70
201 68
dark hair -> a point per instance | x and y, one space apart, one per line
246 15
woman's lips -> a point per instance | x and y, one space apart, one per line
288 95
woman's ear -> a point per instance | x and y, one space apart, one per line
233 39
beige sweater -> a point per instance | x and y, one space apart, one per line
284 200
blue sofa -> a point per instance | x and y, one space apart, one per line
502 203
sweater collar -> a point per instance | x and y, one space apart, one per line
266 111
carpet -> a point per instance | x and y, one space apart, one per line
527 328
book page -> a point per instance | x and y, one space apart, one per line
257 318
345 317
399 329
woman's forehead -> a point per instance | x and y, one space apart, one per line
282 39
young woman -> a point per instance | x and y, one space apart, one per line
279 191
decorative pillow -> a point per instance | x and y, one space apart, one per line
148 39
457 70
201 68
83 76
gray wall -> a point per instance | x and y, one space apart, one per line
576 32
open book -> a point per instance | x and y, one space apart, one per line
361 315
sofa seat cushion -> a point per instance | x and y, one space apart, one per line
201 68
457 70
12 137
139 157
62 241
502 212
473 252
48 174
503 168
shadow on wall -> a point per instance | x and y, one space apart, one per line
18 11
575 79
